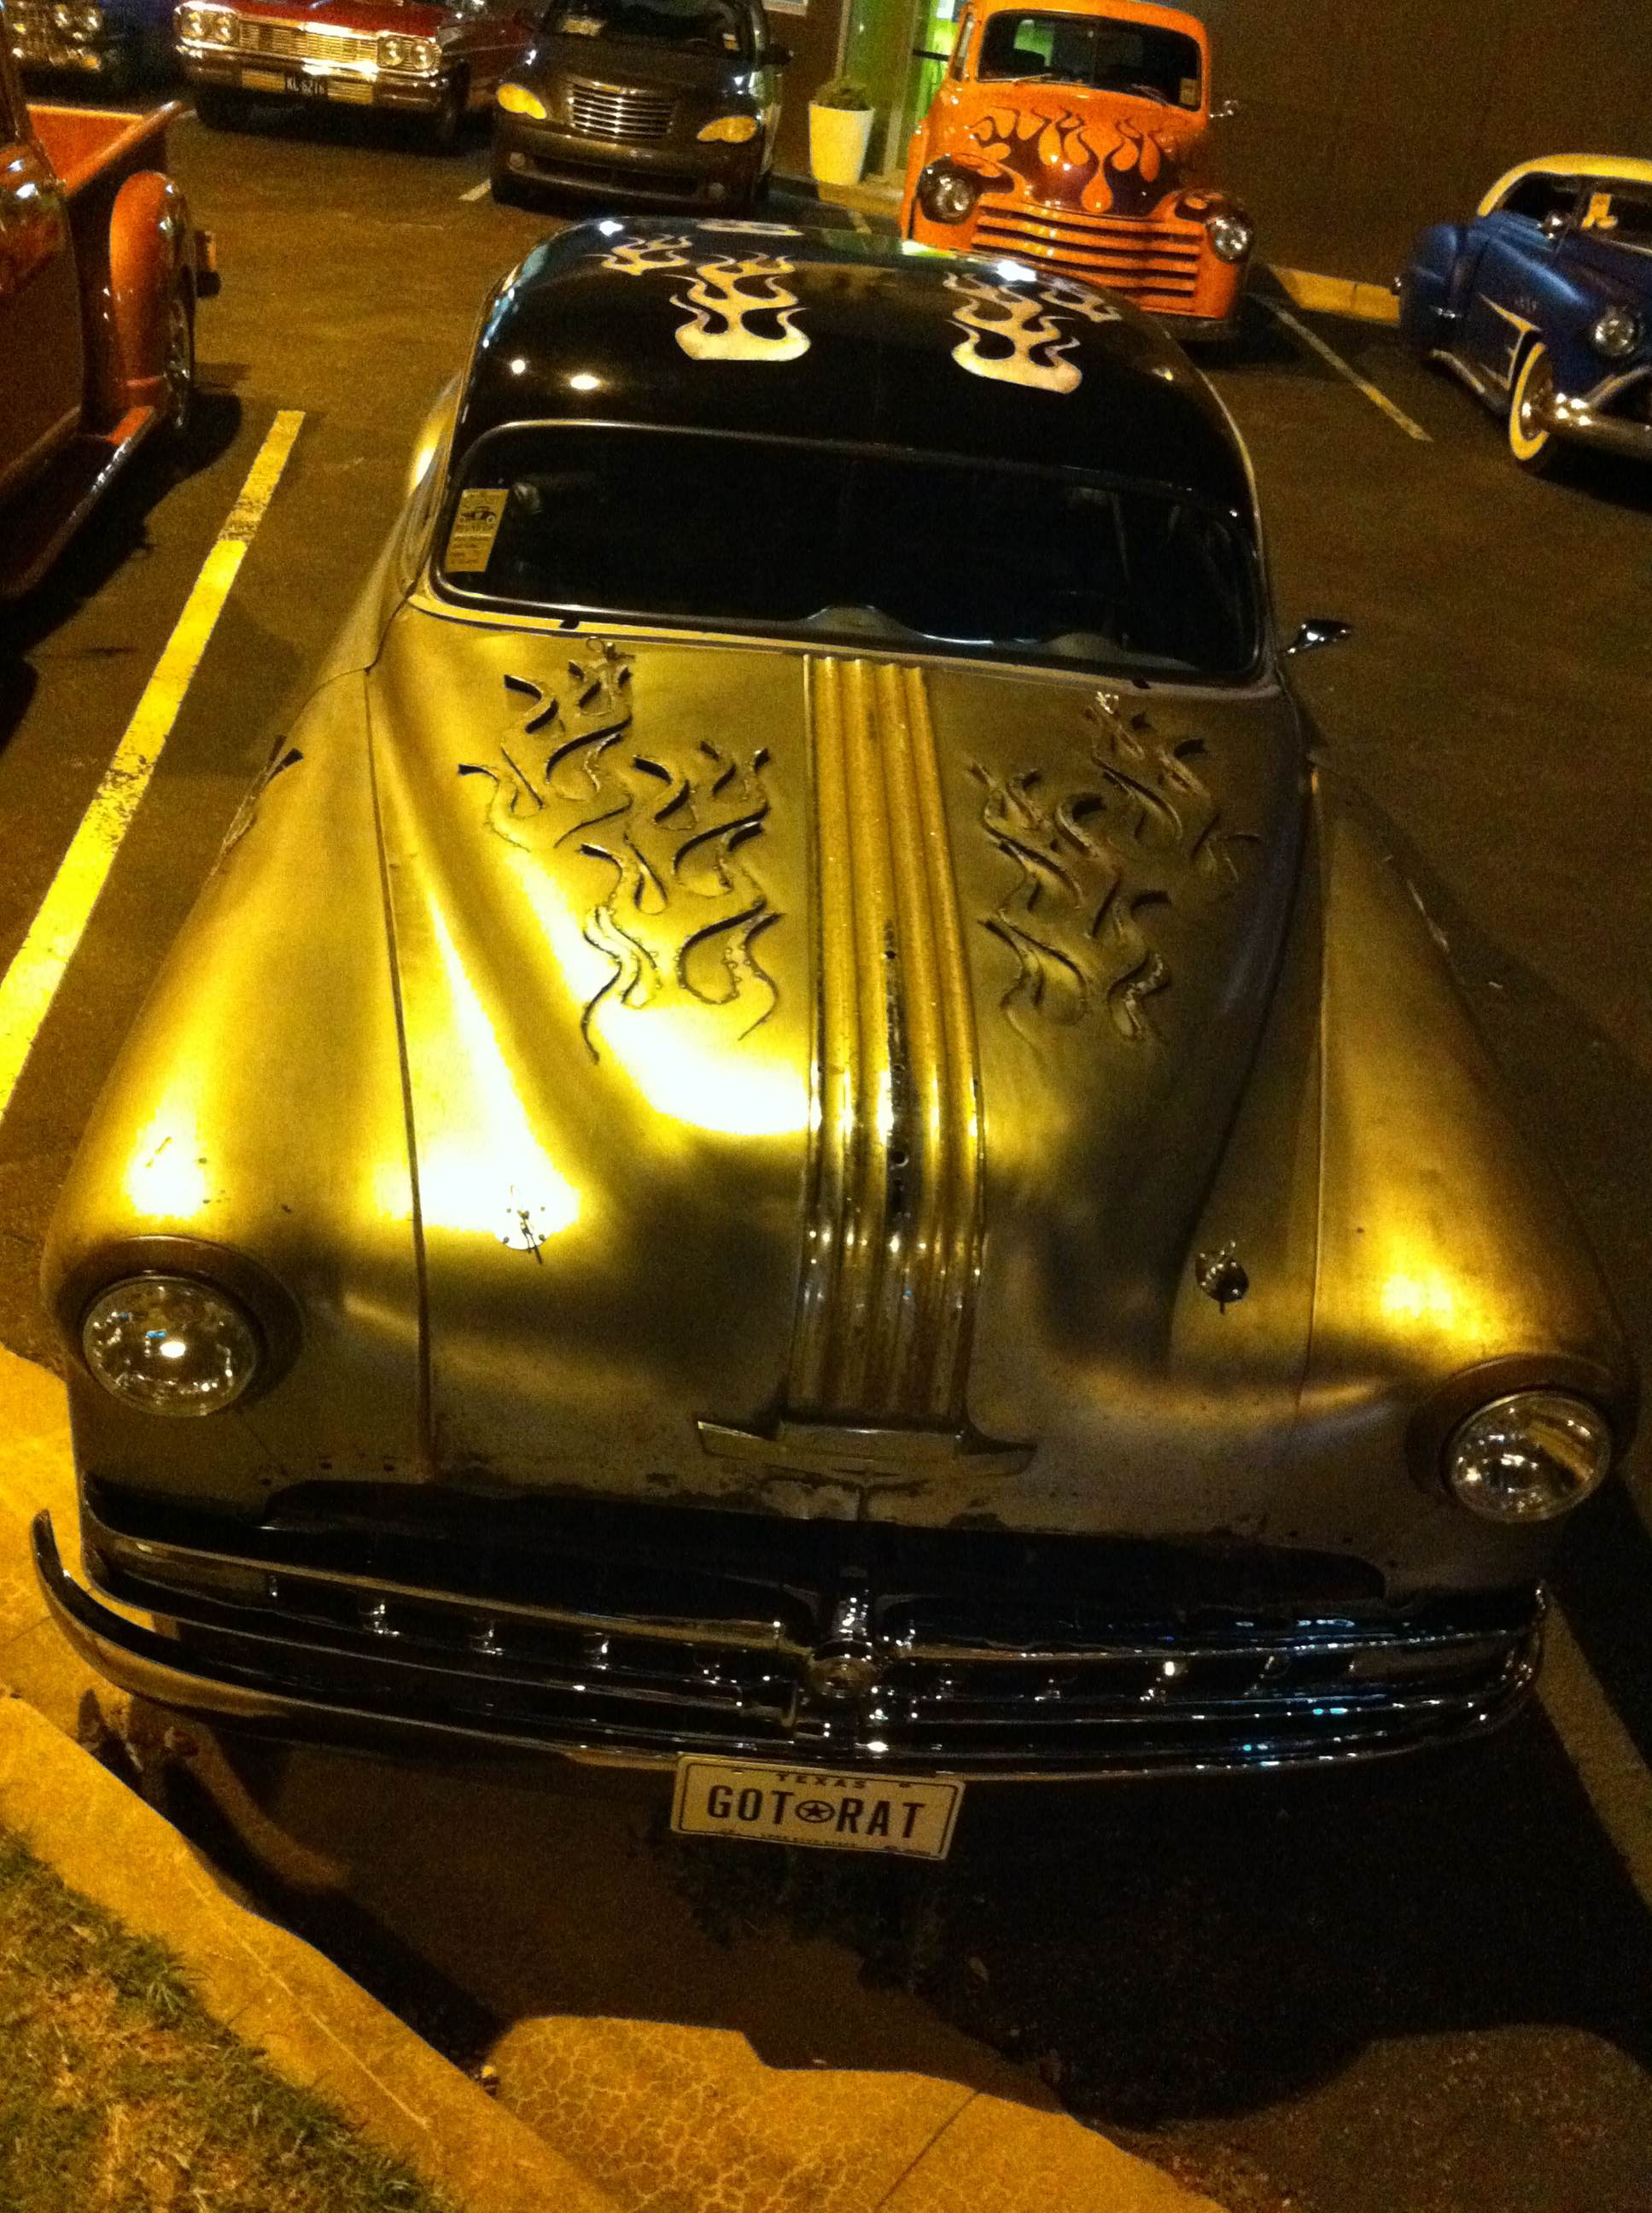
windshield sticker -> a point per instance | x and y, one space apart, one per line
1190 92
644 256
727 322
475 525
1600 216
1010 337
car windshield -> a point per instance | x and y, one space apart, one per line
1087 50
717 27
830 541
1624 217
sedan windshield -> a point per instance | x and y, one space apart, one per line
1624 217
1084 50
832 542
715 26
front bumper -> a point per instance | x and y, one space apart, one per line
595 1634
348 84
1616 418
668 173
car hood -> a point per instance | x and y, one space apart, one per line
414 19
1104 154
641 62
804 1053
1625 273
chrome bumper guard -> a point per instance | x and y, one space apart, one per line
268 1636
1588 420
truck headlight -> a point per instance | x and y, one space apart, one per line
947 193
729 131
517 99
1616 334
1230 235
170 1344
1529 1457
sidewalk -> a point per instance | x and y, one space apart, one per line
594 2114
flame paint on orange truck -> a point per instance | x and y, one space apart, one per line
1074 135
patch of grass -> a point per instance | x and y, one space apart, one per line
119 2094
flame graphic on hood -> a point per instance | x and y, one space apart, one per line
1140 835
1116 167
1010 336
722 309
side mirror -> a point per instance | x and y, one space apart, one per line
1224 111
1556 224
1318 631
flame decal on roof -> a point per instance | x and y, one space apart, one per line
1011 336
728 321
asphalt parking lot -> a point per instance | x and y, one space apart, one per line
1422 1989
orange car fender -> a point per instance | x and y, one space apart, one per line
148 259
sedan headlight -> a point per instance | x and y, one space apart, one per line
1529 1457
170 1344
729 131
88 21
1616 334
62 19
208 25
422 57
517 99
1231 237
947 193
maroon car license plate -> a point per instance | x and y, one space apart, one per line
801 1806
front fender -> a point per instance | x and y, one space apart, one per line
1425 285
149 260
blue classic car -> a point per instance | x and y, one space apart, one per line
1543 303
119 42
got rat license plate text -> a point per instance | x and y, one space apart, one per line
799 1806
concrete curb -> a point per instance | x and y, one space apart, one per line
1338 296
316 2027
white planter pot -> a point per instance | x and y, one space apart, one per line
837 139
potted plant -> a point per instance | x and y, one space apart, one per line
839 126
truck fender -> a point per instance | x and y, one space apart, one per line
150 257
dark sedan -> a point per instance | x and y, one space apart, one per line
663 103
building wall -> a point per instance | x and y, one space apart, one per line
1359 122
813 36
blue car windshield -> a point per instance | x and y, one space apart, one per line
824 541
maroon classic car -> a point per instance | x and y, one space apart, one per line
417 57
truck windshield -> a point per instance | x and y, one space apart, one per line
834 542
1087 49
715 26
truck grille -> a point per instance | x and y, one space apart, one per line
294 42
1156 265
646 1631
621 113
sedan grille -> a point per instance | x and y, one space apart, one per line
647 1632
1156 265
624 114
294 42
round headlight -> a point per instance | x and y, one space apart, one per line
1529 1456
1231 237
517 99
1616 334
393 51
947 193
225 27
729 131
170 1345
62 19
423 55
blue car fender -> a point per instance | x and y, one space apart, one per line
1425 285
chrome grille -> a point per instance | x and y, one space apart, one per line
1156 265
294 42
621 113
610 1636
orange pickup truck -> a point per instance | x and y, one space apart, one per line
1075 134
100 274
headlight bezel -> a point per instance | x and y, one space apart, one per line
1538 1410
1232 235
203 24
934 178
272 1312
1612 1392
1631 332
404 55
736 128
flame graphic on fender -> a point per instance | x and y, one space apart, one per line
1031 346
646 257
680 913
720 309
1094 864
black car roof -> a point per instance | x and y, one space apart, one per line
761 329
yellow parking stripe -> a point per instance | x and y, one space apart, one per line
1600 1749
1310 339
31 983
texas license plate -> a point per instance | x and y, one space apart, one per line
800 1805
264 81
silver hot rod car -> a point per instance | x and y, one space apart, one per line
797 1137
